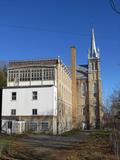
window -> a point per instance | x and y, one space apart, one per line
40 74
9 124
34 112
13 112
34 74
34 95
95 89
84 111
48 73
96 66
33 126
96 109
13 96
44 125
83 89
92 66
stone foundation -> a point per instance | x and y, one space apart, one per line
36 124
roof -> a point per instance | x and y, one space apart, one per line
28 63
93 52
37 63
82 71
20 87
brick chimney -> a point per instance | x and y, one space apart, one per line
74 87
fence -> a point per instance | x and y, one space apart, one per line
28 126
116 136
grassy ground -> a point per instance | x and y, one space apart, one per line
95 147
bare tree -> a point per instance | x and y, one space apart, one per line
115 5
115 102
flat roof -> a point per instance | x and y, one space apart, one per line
36 86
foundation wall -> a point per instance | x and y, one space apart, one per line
24 124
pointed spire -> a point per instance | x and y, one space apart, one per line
93 45
93 53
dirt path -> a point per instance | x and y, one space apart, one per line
80 146
55 142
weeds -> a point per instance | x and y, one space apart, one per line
94 147
71 133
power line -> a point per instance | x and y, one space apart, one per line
41 29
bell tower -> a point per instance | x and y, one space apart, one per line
94 86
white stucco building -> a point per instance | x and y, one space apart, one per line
34 96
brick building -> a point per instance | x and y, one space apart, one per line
48 96
87 89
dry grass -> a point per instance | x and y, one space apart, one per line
95 147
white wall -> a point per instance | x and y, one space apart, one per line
31 83
46 104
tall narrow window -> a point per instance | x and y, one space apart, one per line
95 89
96 66
84 111
13 96
9 124
34 95
34 111
13 112
83 89
93 66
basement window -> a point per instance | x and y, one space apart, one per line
33 126
45 126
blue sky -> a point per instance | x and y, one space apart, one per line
32 29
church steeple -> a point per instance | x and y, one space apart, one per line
93 52
94 85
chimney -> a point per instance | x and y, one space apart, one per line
74 87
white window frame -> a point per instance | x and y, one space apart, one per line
34 95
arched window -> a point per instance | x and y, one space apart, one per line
83 89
